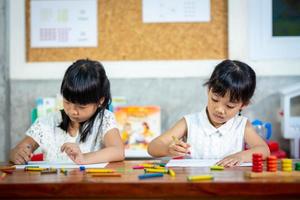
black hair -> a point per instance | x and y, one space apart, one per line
235 77
85 82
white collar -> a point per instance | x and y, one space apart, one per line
210 129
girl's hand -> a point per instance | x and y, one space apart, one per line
21 154
74 152
230 161
178 148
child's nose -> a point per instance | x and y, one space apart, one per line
74 110
220 110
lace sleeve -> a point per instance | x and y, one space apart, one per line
42 129
36 132
109 122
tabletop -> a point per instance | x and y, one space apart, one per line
230 183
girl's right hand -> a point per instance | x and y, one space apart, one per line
178 148
21 154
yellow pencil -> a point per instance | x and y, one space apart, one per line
216 167
100 170
151 170
147 165
200 177
157 167
34 169
172 173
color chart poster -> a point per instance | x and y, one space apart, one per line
64 23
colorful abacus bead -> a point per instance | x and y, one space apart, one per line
297 166
287 165
272 164
257 162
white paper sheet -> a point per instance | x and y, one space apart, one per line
197 163
63 23
44 164
170 11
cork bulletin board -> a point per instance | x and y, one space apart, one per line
123 36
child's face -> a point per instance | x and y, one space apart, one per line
79 113
221 109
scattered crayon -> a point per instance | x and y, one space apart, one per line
162 164
158 167
200 177
64 171
13 167
34 169
100 170
32 166
216 167
49 171
172 172
82 168
122 170
138 167
150 170
150 175
147 165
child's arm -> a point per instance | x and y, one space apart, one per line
256 145
113 151
23 151
164 145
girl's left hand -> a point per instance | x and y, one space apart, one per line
73 151
230 161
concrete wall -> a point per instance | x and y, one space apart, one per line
176 97
4 85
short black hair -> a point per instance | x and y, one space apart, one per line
85 82
235 77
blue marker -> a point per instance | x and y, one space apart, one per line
150 175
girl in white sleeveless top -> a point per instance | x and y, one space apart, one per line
218 131
84 131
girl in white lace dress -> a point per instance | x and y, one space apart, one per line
218 131
84 131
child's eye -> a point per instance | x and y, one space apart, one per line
230 107
214 100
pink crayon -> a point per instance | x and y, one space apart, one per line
138 167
